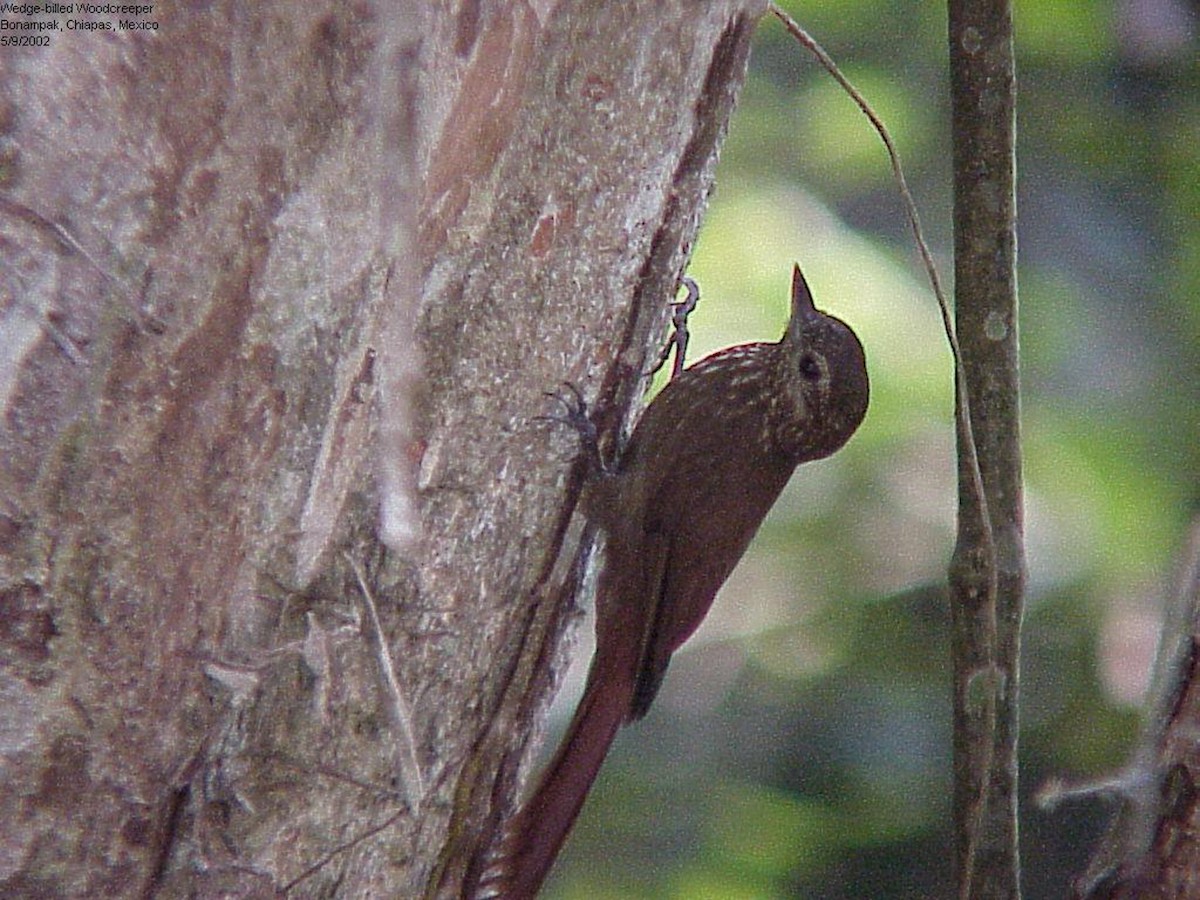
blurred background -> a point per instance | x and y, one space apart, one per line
801 744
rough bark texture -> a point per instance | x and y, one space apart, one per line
1153 848
212 273
987 573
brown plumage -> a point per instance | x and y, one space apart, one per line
707 460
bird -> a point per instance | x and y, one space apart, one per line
705 463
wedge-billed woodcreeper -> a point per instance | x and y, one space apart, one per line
705 463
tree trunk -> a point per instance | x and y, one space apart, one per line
282 289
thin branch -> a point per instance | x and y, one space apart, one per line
343 847
987 575
398 710
962 412
991 678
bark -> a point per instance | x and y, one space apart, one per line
282 289
987 573
1153 847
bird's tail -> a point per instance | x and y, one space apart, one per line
533 838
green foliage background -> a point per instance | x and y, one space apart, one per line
800 747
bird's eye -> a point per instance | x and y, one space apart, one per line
810 370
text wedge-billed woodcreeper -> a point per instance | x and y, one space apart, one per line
705 463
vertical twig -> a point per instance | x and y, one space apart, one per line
399 712
962 409
987 573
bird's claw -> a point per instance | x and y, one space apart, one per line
575 415
680 311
